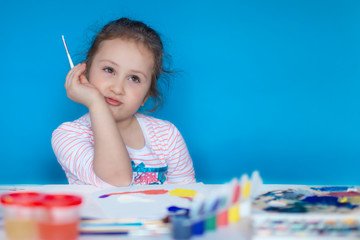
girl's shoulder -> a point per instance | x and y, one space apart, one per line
152 121
156 126
82 124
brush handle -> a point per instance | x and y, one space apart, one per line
67 52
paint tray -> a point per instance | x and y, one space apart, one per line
308 212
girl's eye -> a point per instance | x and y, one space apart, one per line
134 79
109 70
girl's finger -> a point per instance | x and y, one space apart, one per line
78 74
82 77
73 76
69 77
67 80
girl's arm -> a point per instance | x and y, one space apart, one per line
111 161
73 145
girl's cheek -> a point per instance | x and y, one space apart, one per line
133 85
97 82
136 89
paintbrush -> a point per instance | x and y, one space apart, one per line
122 226
123 221
67 52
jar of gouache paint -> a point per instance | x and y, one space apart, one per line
21 211
60 217
181 227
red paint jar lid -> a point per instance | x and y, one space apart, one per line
61 200
27 199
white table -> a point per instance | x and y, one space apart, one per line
90 208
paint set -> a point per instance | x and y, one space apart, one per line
219 208
308 212
38 216
288 228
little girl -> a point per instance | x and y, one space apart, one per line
113 145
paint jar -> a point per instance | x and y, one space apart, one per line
21 212
234 213
181 227
245 208
222 218
198 226
210 222
60 217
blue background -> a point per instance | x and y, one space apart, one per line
266 85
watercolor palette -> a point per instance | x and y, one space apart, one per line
308 212
320 200
306 229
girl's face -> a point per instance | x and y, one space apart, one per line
121 70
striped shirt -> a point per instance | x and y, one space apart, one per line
164 159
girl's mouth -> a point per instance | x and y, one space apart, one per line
112 101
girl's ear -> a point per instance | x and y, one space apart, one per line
146 98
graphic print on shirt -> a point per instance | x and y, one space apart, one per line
150 176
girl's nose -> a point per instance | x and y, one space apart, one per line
117 87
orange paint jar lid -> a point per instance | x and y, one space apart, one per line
61 200
26 199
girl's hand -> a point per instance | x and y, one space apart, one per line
79 89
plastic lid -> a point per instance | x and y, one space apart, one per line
28 199
61 200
